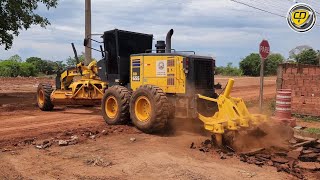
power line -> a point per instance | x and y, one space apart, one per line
258 8
276 7
307 3
277 4
273 6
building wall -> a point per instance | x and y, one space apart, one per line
304 81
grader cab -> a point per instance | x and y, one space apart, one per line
152 87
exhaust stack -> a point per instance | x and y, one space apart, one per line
168 41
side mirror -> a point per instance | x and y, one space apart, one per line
85 42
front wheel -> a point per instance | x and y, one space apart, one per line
43 97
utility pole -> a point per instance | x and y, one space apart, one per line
88 52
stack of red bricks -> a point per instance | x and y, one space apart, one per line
304 81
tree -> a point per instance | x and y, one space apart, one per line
9 68
308 56
27 69
297 50
250 65
17 15
13 68
43 66
59 67
40 64
272 63
34 60
229 70
318 51
73 62
16 58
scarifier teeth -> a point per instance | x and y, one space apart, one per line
244 123
232 125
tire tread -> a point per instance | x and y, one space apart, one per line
47 90
161 105
123 94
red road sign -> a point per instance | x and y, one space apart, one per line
264 49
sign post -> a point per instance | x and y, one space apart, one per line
264 50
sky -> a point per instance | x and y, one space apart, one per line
224 29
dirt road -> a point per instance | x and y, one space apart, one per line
149 157
20 118
248 87
111 155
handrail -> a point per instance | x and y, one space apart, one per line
154 50
151 50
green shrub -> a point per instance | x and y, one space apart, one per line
27 69
33 66
229 70
9 68
12 68
43 66
250 65
308 56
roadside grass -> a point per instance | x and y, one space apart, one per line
312 130
307 118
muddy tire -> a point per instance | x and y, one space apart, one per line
43 97
115 105
149 109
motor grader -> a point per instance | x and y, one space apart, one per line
78 85
151 87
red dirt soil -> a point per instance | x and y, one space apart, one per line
248 87
149 157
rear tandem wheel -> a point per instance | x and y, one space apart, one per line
149 109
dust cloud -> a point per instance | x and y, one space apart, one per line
269 135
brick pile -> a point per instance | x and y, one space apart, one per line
304 81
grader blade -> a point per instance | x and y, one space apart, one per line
232 116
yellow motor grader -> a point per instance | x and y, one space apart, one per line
151 87
78 85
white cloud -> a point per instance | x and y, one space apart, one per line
221 28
